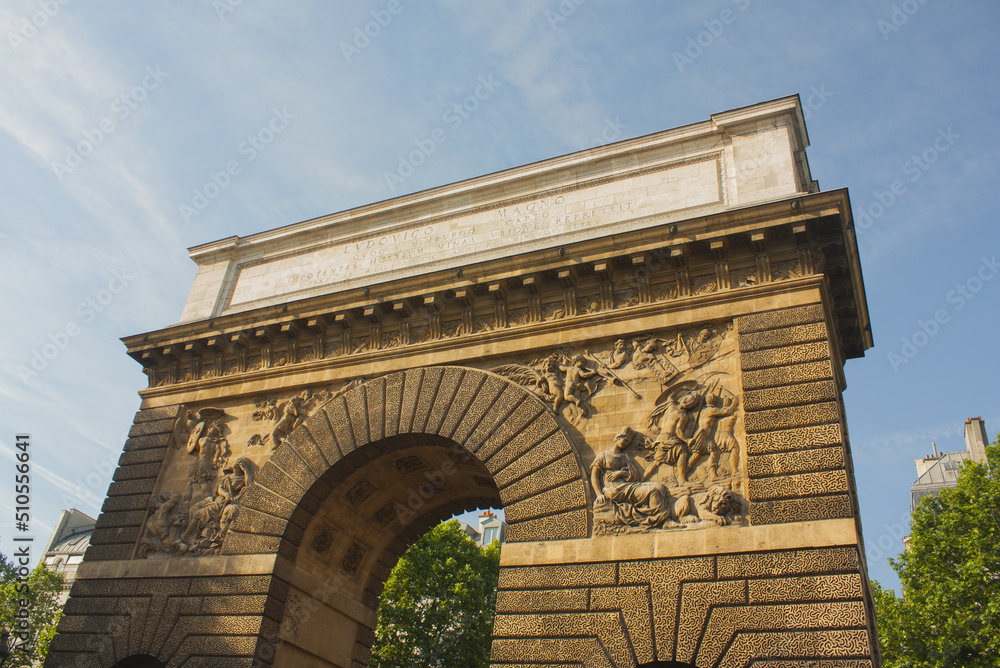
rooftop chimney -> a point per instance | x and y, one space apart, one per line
975 438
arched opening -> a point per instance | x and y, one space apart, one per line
140 661
667 664
371 471
379 504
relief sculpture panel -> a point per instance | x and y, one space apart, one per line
212 467
658 417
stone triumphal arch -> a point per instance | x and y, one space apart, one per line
636 350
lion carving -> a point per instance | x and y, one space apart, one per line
718 505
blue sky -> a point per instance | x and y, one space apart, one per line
93 244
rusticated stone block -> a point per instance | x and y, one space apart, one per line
560 652
393 402
607 627
795 562
411 392
137 471
779 357
339 420
115 504
779 338
806 588
153 414
230 585
726 634
147 442
129 487
795 416
108 589
561 576
480 408
357 411
302 442
698 599
802 484
777 319
248 543
794 439
790 395
151 428
798 461
265 501
556 473
570 496
132 518
493 421
539 443
294 467
153 455
524 414
108 552
468 390
375 401
838 663
429 388
116 535
571 524
451 380
553 600
259 523
787 375
233 605
665 578
801 510
277 481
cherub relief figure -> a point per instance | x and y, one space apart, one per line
575 389
559 379
617 480
292 414
550 382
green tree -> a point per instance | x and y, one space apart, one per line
30 614
949 613
438 604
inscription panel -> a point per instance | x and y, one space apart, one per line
486 235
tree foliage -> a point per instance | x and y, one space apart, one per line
29 613
949 612
438 604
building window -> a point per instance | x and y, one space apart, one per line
489 536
